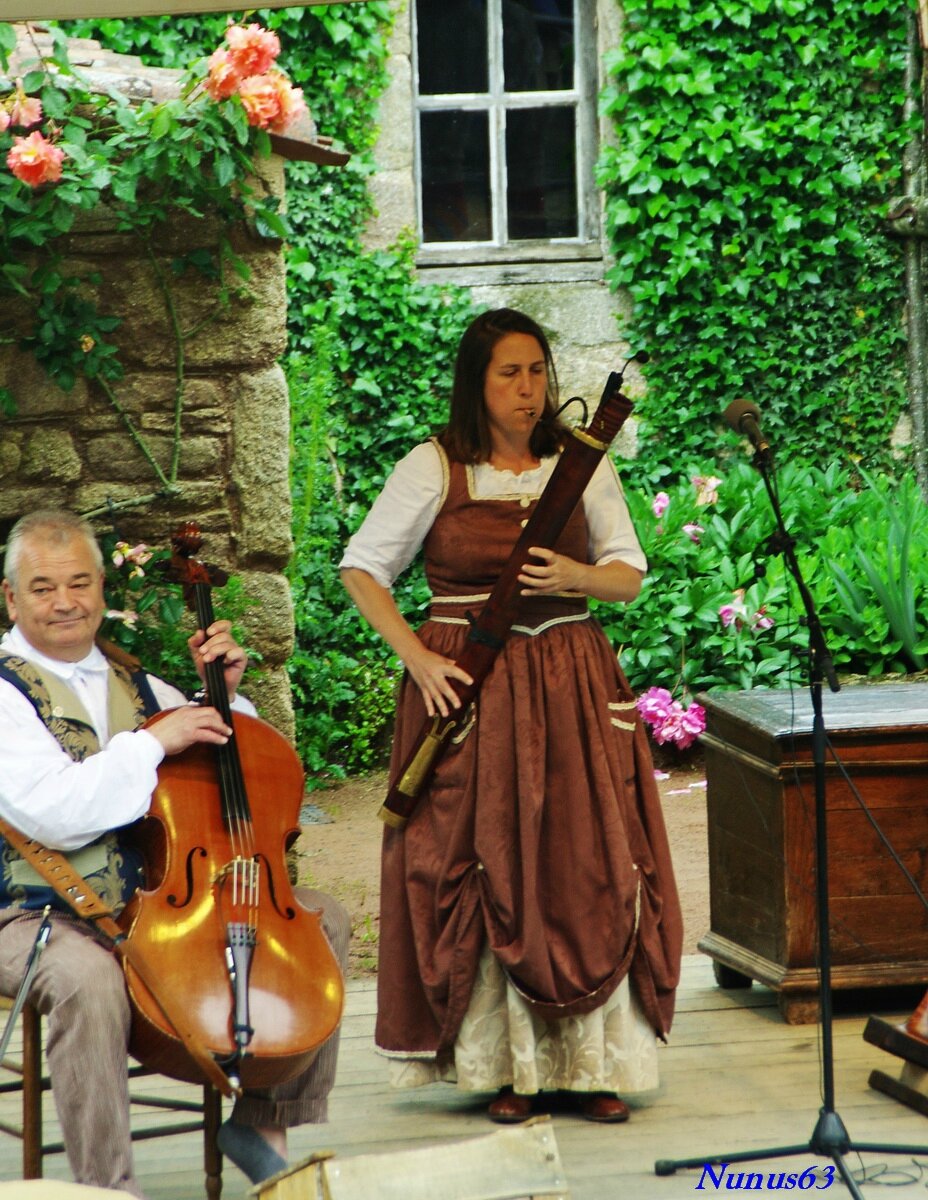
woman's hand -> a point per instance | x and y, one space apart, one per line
432 674
555 573
612 581
217 641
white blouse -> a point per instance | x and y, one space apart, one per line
403 513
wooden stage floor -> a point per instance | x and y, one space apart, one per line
734 1078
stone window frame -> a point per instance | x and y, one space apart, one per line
523 259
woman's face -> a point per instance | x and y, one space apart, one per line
514 386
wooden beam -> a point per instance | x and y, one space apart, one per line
66 10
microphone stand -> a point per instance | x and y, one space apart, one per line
829 1138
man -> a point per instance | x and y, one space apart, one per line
74 768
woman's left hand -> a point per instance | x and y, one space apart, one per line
555 573
217 641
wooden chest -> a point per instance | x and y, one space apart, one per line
761 825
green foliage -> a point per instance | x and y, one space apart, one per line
876 561
849 544
758 143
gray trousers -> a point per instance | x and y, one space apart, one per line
79 990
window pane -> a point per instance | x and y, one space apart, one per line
455 177
538 45
542 173
451 40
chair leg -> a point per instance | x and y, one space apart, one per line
212 1155
32 1093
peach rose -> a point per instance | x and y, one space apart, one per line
222 78
34 160
290 101
261 99
25 110
252 49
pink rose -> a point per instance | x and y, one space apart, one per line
252 50
34 160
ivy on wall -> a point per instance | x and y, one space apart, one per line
758 142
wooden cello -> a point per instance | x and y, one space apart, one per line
219 920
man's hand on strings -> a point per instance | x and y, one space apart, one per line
214 643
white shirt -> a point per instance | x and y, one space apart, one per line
403 513
45 794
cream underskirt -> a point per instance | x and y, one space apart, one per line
501 1041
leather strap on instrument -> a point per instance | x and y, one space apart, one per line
74 889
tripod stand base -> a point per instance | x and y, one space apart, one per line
829 1140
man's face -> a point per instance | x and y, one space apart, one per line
58 600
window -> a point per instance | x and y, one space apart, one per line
506 124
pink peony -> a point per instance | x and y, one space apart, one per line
734 613
4 120
669 720
654 704
760 620
34 160
659 504
252 50
706 489
222 78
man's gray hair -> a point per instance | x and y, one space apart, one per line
53 526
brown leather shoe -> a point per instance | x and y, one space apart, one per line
603 1106
509 1108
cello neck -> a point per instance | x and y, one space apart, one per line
232 791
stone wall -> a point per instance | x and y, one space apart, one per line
73 449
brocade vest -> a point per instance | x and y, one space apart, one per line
113 871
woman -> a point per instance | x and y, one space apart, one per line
530 929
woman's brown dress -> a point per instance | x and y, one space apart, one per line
541 833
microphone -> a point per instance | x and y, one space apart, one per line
744 418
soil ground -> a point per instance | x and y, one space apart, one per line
339 851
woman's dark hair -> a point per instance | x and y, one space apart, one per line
466 437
